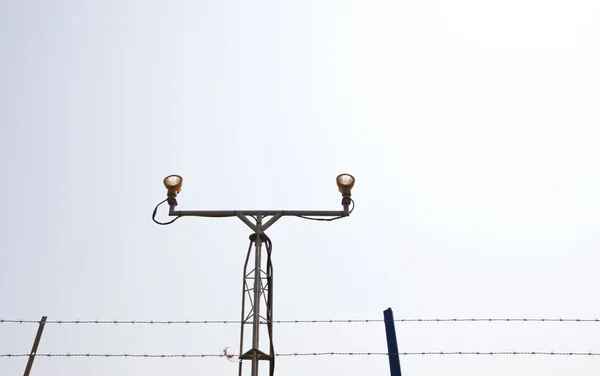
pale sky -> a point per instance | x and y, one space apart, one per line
472 128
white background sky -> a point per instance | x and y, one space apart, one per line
471 127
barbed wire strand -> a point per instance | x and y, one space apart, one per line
331 321
316 353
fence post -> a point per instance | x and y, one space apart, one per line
36 342
390 332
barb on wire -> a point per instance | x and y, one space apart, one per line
315 353
331 321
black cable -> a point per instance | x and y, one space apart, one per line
154 215
270 314
328 219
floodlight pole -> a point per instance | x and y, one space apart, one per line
258 281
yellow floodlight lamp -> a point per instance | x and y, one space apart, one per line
345 182
173 184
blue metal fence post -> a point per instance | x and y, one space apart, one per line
390 332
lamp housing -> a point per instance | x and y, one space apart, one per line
345 182
173 184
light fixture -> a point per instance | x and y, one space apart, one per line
258 278
345 182
173 184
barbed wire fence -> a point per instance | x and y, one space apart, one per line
326 321
304 321
316 353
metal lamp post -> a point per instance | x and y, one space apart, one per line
257 288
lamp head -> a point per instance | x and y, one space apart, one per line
173 184
345 182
